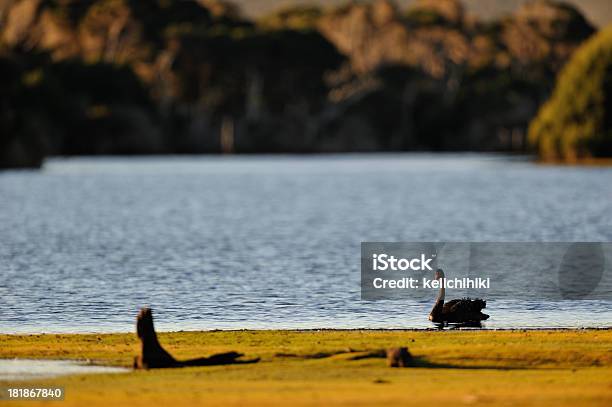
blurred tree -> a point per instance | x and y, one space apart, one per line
577 120
24 129
186 76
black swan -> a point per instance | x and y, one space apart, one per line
463 311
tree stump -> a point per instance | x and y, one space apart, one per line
154 356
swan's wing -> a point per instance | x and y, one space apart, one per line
464 306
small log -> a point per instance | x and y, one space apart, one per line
399 357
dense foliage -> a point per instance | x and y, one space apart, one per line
193 76
577 120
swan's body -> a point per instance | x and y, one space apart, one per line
465 310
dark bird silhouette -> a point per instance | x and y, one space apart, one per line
463 311
154 356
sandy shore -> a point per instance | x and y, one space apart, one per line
542 367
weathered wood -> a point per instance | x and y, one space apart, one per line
154 356
399 357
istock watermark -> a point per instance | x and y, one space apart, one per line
525 270
385 262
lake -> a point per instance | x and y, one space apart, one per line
271 242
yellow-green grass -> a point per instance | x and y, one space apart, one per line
564 367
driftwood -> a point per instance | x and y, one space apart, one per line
154 356
399 357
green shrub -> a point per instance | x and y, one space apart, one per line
576 122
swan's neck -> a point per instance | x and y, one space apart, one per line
441 294
436 312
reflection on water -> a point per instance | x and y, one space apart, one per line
261 242
29 369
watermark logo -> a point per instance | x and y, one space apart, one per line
526 270
384 262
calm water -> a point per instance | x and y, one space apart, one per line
261 242
30 369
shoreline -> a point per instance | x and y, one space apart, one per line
524 157
562 367
432 329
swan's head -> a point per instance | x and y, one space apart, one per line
439 274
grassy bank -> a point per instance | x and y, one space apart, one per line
324 367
